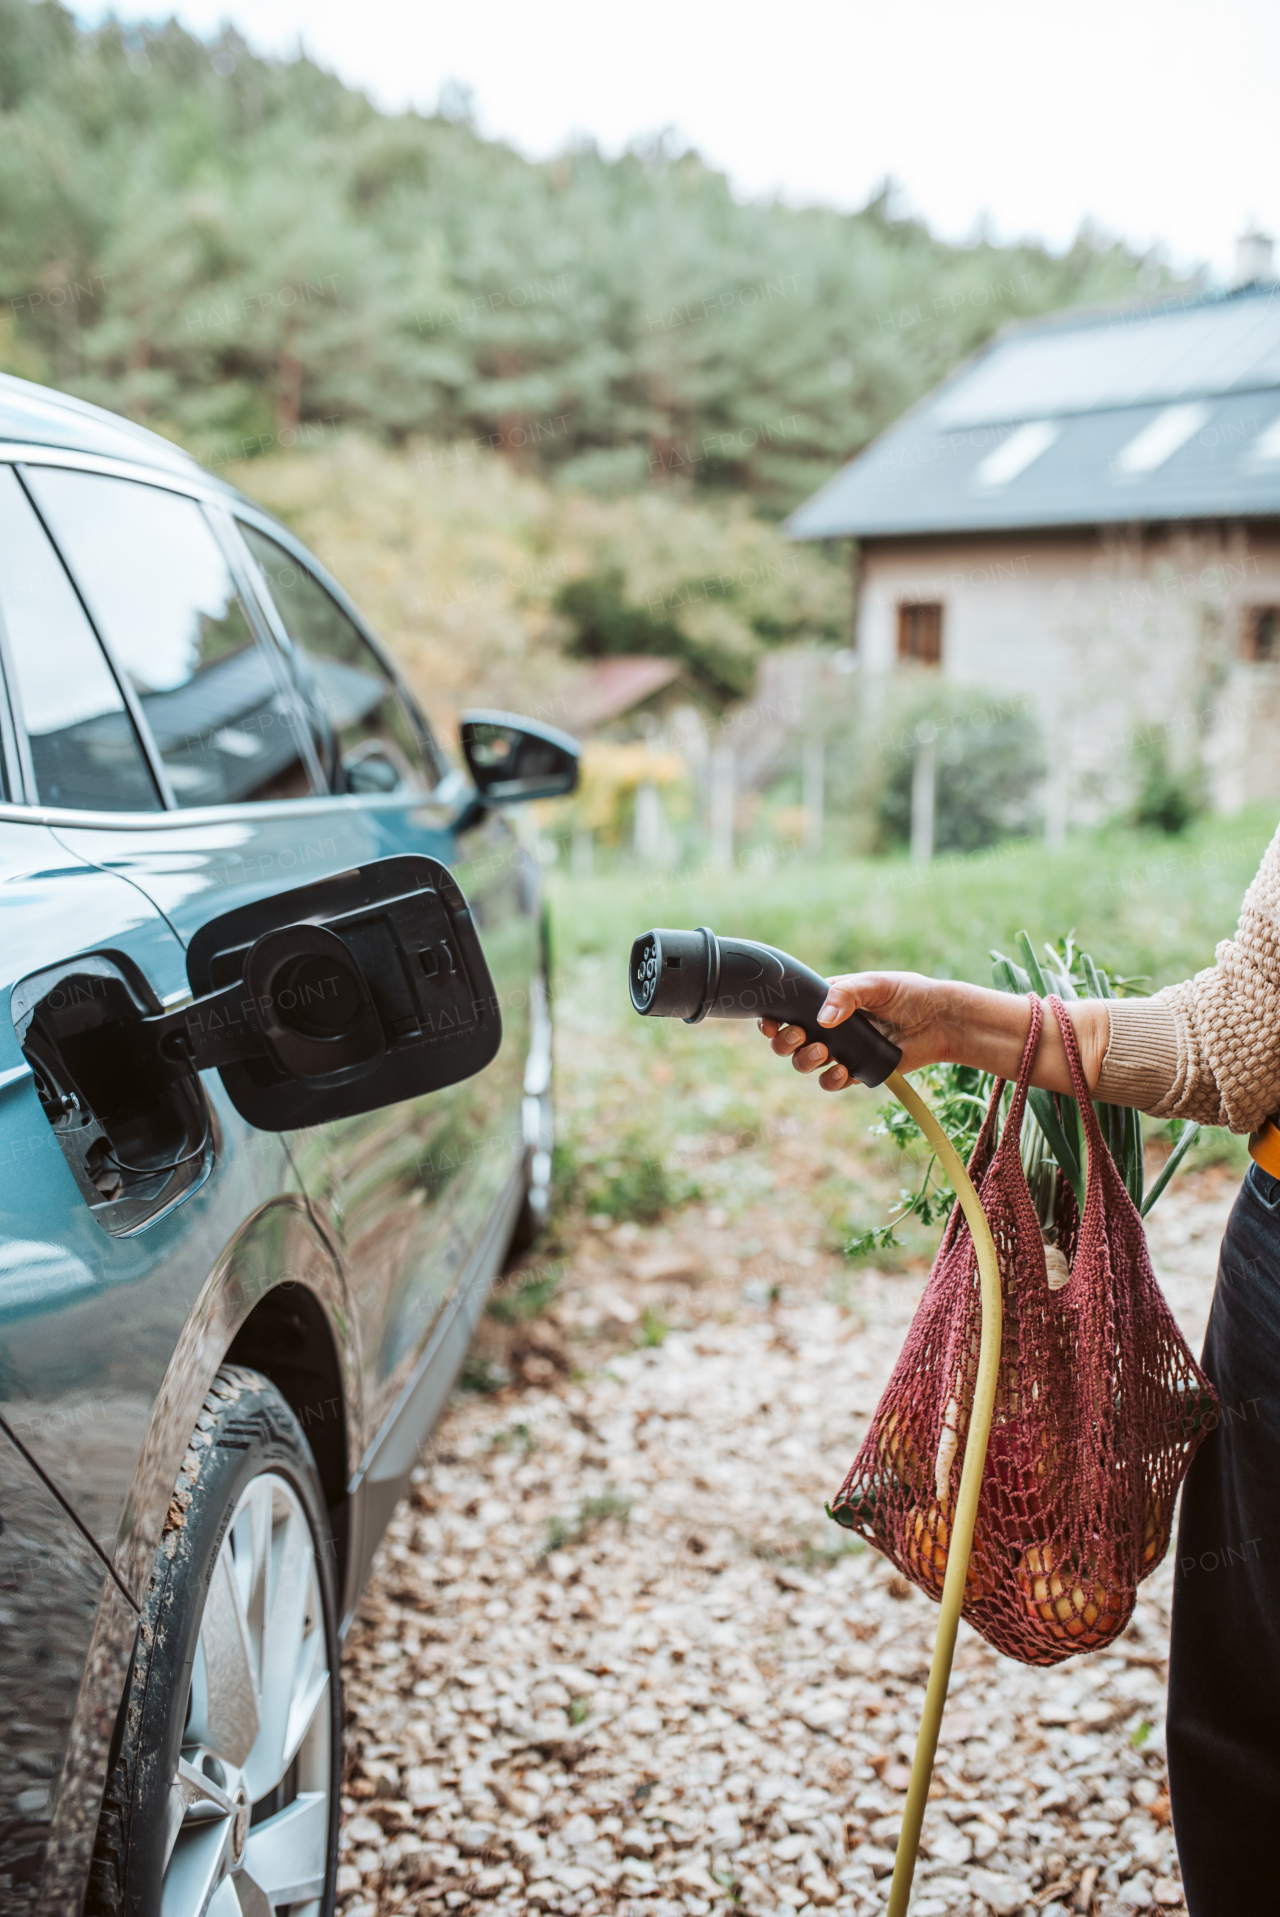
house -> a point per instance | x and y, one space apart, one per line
1087 514
622 688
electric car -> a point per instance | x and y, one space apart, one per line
275 1057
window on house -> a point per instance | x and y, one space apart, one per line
920 632
1262 635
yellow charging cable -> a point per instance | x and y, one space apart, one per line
975 1458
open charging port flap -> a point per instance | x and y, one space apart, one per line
134 1145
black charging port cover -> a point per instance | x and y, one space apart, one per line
369 987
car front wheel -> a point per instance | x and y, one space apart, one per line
222 1792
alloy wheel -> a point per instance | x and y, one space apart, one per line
249 1805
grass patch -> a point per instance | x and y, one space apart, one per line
1148 907
556 1534
648 1100
560 1532
634 1185
633 1182
654 1114
522 1295
819 1557
652 1328
805 1555
606 1504
614 1169
513 1435
482 1374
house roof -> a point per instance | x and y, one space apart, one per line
615 686
1167 411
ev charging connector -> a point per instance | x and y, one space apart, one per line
695 975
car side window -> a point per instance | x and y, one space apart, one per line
371 731
84 751
163 595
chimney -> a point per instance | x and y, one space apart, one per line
1253 259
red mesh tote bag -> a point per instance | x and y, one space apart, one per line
1099 1407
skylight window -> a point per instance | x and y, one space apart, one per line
1159 440
1265 450
1013 455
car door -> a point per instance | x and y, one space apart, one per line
416 1197
422 1197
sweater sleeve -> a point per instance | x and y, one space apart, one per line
1208 1049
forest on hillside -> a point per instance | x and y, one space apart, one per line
246 254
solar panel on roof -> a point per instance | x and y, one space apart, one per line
1156 414
1134 359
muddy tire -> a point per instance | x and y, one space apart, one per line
222 1787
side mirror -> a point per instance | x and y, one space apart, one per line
373 767
513 760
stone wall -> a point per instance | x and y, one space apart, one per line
1116 633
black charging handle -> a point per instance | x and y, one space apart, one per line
695 975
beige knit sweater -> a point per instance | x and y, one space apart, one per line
1210 1048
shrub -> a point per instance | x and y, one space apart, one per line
1168 799
720 654
989 764
605 623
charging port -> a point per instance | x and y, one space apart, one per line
135 1142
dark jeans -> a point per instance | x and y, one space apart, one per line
1224 1673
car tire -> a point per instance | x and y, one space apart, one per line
222 1790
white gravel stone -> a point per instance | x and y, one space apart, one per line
705 1697
949 1845
1000 1894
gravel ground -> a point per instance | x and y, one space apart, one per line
615 1658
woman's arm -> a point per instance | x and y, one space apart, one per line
1207 1049
942 1020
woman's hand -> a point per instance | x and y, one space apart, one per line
912 1010
937 1021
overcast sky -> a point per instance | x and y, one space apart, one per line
1156 119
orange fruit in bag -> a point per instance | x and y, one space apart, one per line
927 1542
1063 1602
1155 1533
897 1448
